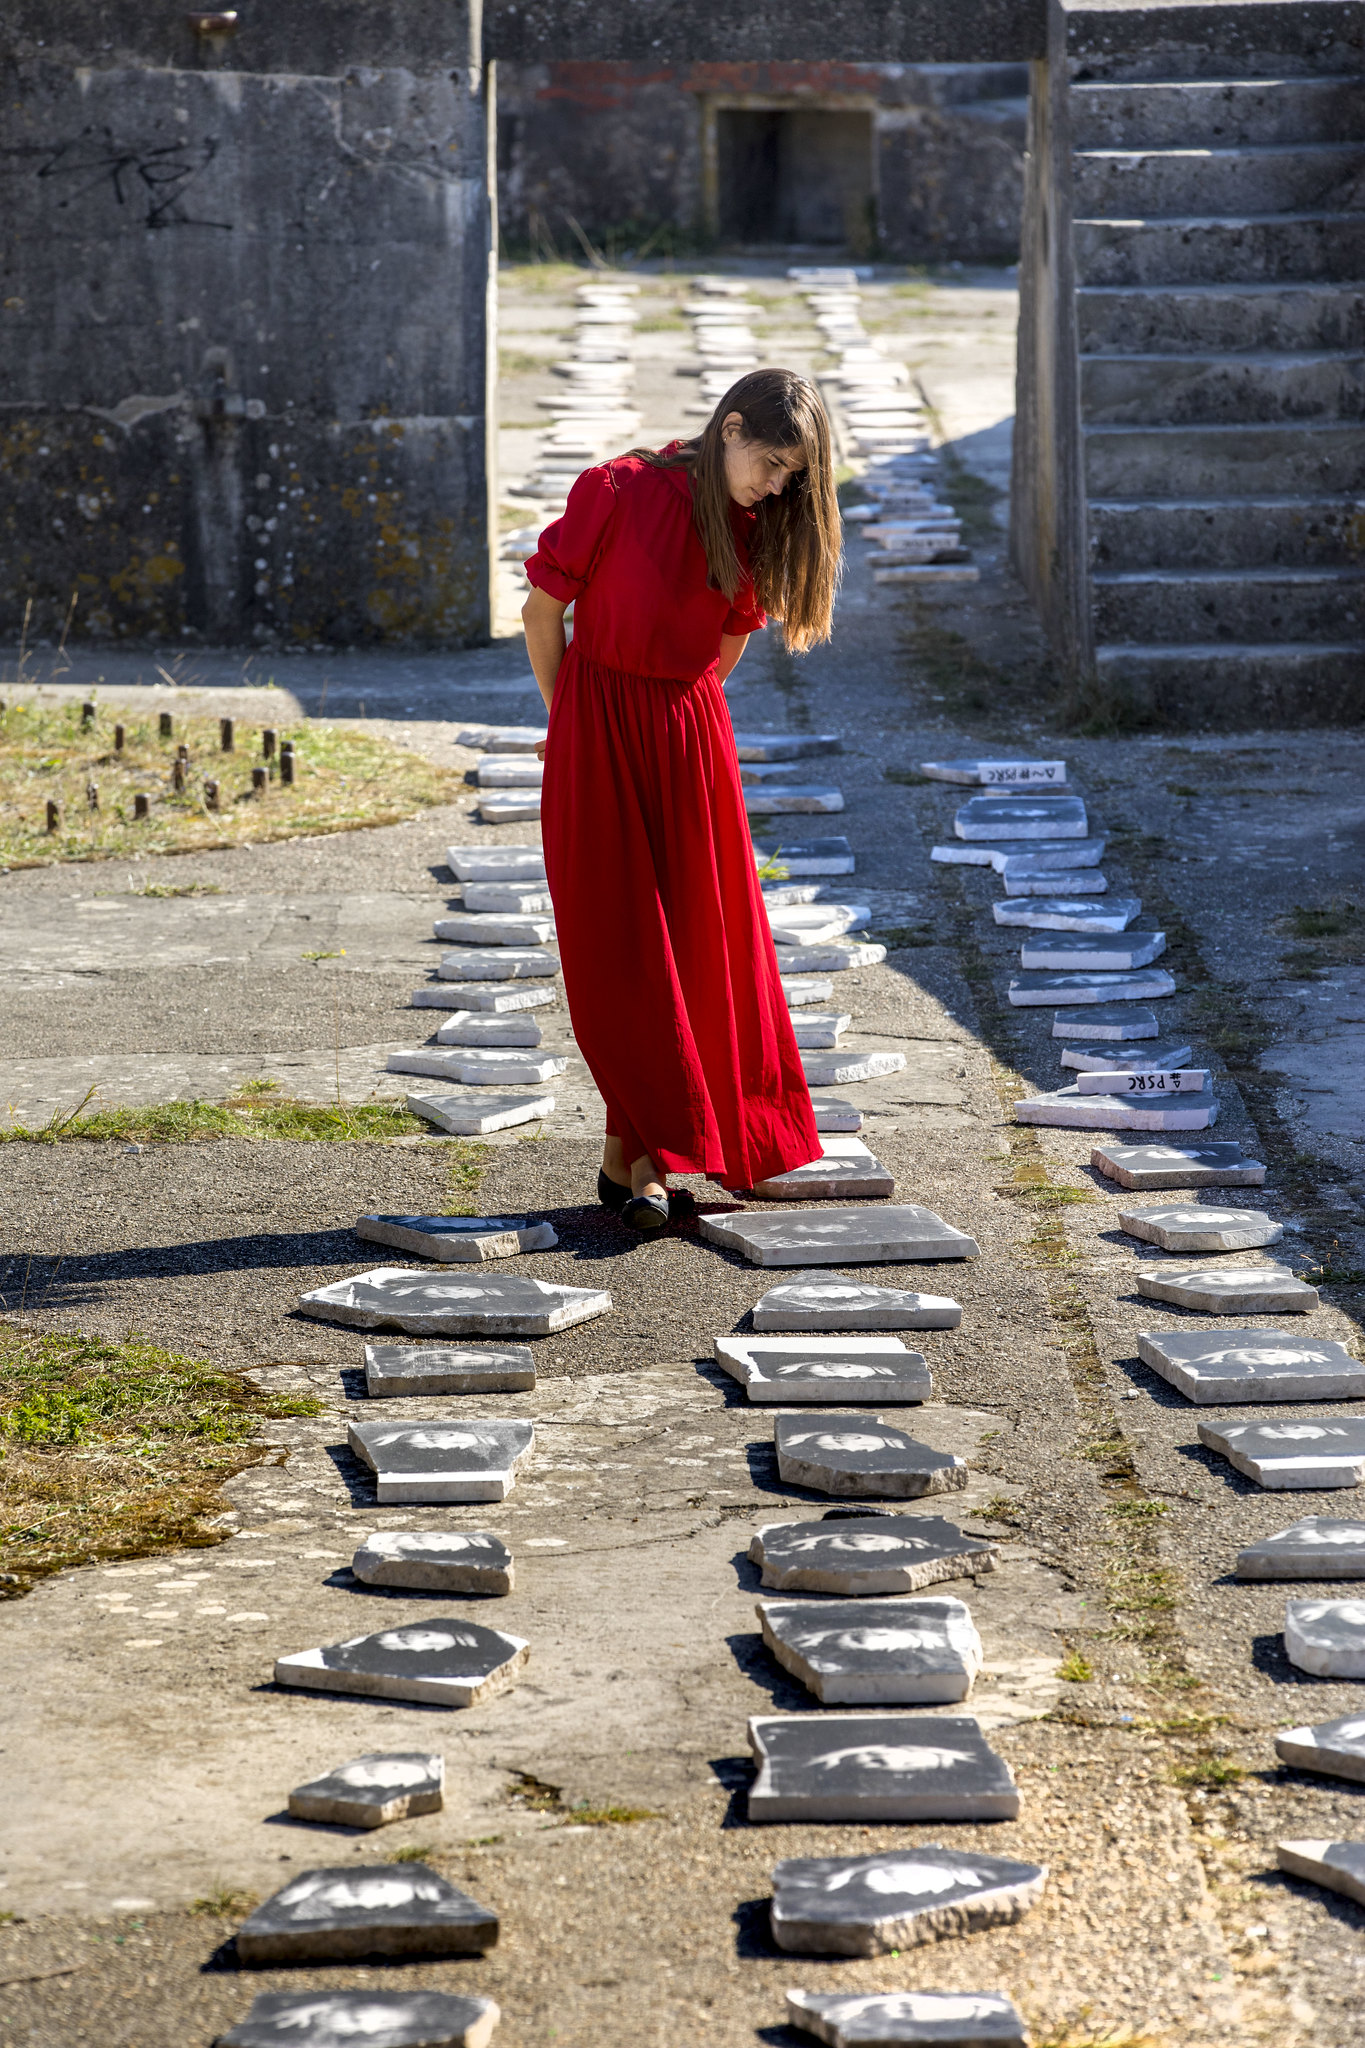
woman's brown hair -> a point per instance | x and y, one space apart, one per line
794 555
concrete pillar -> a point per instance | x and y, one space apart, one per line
244 323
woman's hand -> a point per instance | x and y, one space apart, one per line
540 750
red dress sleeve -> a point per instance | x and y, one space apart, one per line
568 549
744 615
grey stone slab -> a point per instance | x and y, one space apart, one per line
829 1301
498 963
478 1028
444 1662
820 1031
1337 1866
1066 914
378 2019
434 1460
905 2019
518 771
1116 1023
896 1899
436 1561
869 1768
373 1790
803 989
795 798
856 1555
784 894
1101 953
1253 1365
519 899
1326 1637
860 1653
493 928
476 1113
1186 1227
847 1172
1317 1547
1336 1748
1112 1059
497 998
829 1069
1266 1290
825 1369
518 807
786 746
1193 1165
479 1065
1021 817
1032 859
831 956
815 924
1305 1454
853 1237
1004 773
857 1457
828 856
459 1240
447 1305
1071 883
399 1369
496 863
832 1113
1071 1108
1035 989
391 1909
502 739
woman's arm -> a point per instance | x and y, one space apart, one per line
732 645
543 618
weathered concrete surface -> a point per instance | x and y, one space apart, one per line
853 31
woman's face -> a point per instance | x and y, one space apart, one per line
752 469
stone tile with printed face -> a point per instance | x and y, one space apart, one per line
1096 952
444 1662
868 1768
905 2019
997 774
827 1301
828 856
1264 1290
450 1305
859 1457
1317 1547
1336 1748
833 1069
436 1460
497 999
804 989
1037 989
493 928
436 1561
1252 1365
477 1027
1145 1084
1188 1227
865 1652
786 746
397 1369
846 1170
830 1237
817 1031
378 2019
479 1066
373 1790
392 1909
832 1113
459 1240
1060 913
496 863
858 1555
1337 1866
1122 1059
498 963
1115 1023
825 1369
477 1112
1326 1637
1023 818
1195 1165
898 1898
1303 1455
1071 1109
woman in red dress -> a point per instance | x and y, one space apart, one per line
671 560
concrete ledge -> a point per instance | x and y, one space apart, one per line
799 31
1235 685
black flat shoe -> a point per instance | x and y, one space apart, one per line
610 1193
645 1213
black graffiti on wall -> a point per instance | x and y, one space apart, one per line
150 177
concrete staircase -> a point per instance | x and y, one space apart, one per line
1218 243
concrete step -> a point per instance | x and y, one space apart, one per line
1138 319
1254 249
1217 113
1212 39
1226 533
1284 177
1238 683
1169 390
1300 605
1224 462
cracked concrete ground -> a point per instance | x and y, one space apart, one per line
148 1754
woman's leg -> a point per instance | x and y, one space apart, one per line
641 1175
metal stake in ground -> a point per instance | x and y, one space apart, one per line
225 735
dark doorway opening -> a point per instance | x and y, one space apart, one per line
795 174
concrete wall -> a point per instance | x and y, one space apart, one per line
243 373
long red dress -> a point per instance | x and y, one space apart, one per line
668 958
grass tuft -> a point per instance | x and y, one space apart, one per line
224 1902
1075 1669
257 1110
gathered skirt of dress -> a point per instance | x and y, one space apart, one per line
669 968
